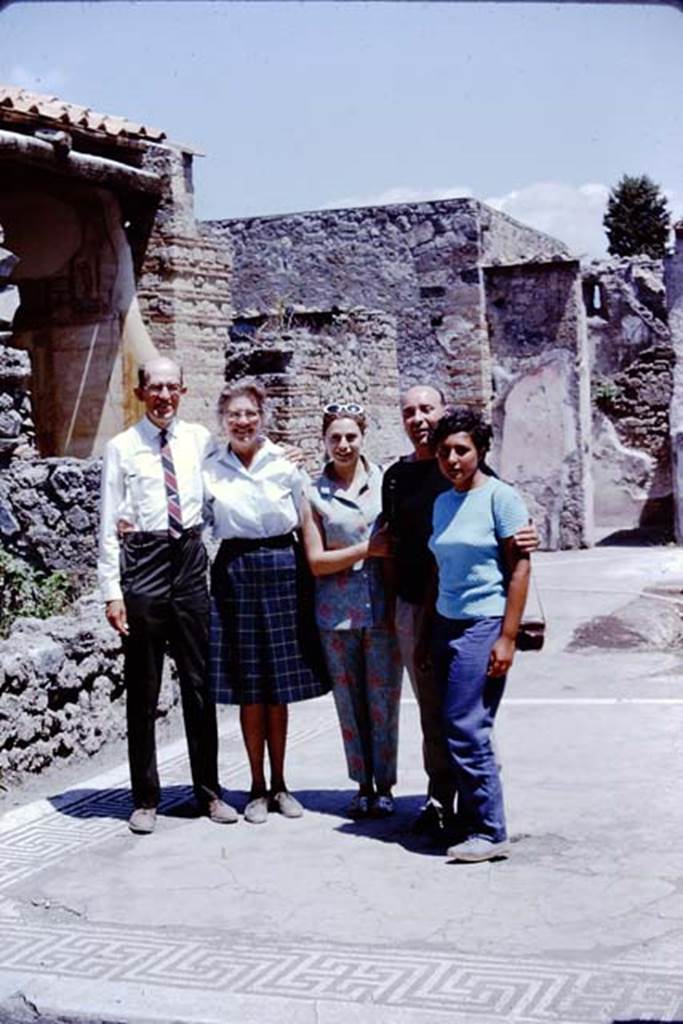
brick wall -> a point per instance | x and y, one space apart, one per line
310 358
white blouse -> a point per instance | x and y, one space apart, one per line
261 500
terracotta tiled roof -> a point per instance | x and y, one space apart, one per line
31 106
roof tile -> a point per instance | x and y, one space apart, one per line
51 108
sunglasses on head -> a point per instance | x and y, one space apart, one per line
336 407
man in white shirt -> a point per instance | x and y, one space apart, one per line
152 574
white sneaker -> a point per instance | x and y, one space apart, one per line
286 804
143 820
256 811
478 848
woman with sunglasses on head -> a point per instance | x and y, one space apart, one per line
255 499
344 552
483 579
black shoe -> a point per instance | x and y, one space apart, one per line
430 821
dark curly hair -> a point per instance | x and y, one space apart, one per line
462 421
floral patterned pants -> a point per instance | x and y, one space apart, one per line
365 667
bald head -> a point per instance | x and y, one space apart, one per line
422 406
160 388
156 365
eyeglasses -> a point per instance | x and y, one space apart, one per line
156 389
250 415
353 407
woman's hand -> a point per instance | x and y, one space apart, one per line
502 654
380 544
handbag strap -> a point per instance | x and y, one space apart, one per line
499 541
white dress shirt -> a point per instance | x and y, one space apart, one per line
133 487
261 500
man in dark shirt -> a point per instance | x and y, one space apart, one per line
409 490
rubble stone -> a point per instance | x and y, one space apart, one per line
61 688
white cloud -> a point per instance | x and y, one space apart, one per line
48 81
400 194
568 212
571 213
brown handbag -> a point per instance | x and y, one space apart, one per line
531 631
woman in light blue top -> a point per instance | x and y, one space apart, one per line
482 586
344 552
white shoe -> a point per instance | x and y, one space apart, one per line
256 811
478 848
286 804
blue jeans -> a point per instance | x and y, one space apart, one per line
470 702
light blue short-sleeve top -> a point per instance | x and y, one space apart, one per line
466 529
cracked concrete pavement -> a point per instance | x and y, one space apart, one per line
324 919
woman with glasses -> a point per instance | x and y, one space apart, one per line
344 553
255 498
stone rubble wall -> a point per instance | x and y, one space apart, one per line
632 382
418 262
61 689
311 358
541 407
49 513
17 428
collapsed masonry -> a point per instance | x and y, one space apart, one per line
486 308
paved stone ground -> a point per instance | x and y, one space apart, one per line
323 920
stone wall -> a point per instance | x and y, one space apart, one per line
419 262
17 429
541 407
49 513
307 359
184 287
632 380
673 276
61 689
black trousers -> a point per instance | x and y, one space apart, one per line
167 604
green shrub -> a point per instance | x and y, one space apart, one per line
606 393
25 591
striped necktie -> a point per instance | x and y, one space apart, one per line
175 518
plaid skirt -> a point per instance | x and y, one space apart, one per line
258 653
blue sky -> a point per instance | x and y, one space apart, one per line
536 107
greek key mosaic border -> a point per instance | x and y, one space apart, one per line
523 990
84 821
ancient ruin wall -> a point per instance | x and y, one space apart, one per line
632 381
184 287
418 262
49 513
310 358
61 689
541 408
17 429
